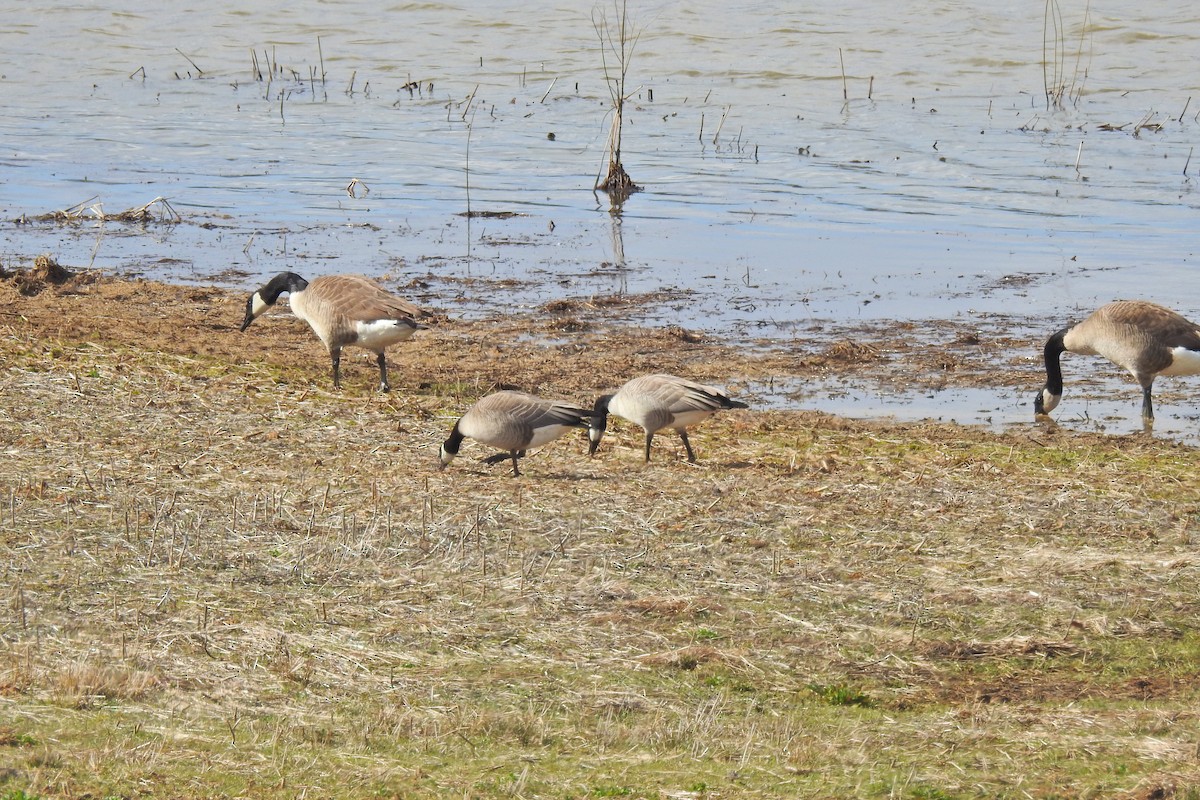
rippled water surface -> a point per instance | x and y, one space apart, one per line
858 160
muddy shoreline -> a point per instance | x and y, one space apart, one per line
980 371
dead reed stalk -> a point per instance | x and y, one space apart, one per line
1054 58
189 60
618 40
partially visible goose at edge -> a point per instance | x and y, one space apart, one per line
513 422
1144 338
343 311
657 402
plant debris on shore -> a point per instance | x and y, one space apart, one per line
220 578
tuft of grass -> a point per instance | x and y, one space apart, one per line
924 792
841 695
11 738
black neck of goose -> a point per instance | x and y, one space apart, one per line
1054 349
454 441
599 418
597 423
283 282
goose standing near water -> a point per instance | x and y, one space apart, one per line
342 310
657 402
513 422
1144 338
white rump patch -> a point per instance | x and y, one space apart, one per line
1183 362
379 333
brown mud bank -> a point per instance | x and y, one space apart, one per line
565 344
977 369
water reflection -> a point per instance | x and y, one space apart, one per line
618 243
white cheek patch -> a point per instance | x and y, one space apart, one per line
1184 362
1049 401
382 332
258 305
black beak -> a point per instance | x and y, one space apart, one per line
598 423
249 314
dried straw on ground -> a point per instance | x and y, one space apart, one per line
221 578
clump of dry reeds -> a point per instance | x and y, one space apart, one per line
46 272
617 40
1060 91
157 210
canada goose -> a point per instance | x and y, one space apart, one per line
656 402
1144 338
342 310
512 421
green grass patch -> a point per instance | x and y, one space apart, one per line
841 695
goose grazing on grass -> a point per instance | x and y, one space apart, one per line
514 422
343 310
657 402
1144 338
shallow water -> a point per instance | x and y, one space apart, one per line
941 187
1103 406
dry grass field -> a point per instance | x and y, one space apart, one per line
220 578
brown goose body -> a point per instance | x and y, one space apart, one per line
1143 338
513 422
343 311
658 402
